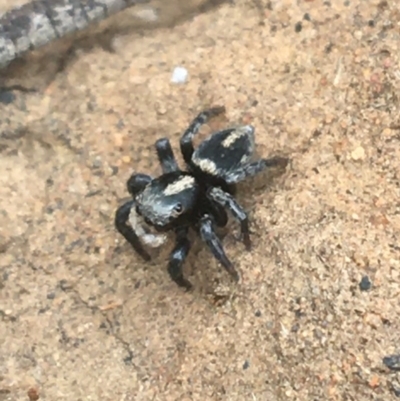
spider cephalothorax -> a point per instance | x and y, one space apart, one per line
197 198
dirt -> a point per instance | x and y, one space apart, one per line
84 318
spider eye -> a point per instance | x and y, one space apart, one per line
178 208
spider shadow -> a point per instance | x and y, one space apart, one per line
263 183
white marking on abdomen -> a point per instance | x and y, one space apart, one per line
236 134
206 165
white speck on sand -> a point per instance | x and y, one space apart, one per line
179 75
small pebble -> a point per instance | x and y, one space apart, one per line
358 35
179 75
392 362
328 47
64 285
246 365
97 163
120 124
128 360
365 284
33 394
358 153
298 27
126 159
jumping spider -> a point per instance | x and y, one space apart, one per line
178 200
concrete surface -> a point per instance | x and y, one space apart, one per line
82 318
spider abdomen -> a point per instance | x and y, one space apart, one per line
224 152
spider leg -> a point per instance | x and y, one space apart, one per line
186 143
177 258
137 182
224 199
219 214
210 238
121 218
166 156
252 169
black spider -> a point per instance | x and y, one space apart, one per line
197 198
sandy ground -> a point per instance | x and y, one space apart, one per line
83 318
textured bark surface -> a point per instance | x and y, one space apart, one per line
39 22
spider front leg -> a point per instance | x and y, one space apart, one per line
137 182
166 156
213 242
186 143
177 257
224 199
121 219
252 169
